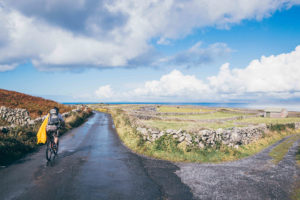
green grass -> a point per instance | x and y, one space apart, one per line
187 125
215 115
281 150
163 125
178 109
258 120
221 154
190 125
168 148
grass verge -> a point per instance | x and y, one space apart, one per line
169 149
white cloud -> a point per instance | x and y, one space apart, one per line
174 84
276 76
273 74
4 68
104 92
55 47
29 32
177 18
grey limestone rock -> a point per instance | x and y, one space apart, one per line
181 139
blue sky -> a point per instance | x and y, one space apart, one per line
190 51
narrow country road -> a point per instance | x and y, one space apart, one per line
92 164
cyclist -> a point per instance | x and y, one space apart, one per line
55 122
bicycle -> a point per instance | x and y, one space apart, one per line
52 148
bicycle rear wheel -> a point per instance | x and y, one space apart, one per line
55 150
49 151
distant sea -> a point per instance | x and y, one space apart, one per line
289 107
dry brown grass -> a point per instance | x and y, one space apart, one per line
36 106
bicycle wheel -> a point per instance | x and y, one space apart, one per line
49 151
55 150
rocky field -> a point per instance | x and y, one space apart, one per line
173 132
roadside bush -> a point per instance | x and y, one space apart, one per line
127 121
119 111
281 127
14 148
166 143
141 141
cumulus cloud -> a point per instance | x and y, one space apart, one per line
111 33
271 74
104 92
50 47
275 76
75 15
173 84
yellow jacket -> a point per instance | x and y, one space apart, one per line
41 135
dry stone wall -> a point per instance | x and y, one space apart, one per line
14 116
20 117
232 137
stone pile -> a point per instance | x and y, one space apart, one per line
232 137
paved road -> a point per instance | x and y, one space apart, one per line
92 164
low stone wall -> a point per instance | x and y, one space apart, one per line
232 137
14 116
20 117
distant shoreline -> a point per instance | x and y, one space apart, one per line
289 107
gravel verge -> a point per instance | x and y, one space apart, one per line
255 177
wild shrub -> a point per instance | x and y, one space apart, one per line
140 141
240 118
281 127
218 144
127 121
119 111
166 143
117 123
